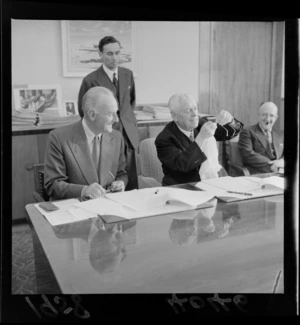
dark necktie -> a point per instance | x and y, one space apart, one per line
115 80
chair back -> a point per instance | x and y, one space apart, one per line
150 165
235 162
40 193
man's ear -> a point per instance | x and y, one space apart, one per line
100 53
174 116
91 114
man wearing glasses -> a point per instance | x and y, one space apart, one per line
261 145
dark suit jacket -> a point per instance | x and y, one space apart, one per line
69 166
180 157
255 149
126 98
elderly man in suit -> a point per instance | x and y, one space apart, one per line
120 81
185 145
87 158
261 145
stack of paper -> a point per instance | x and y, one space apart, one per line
159 112
242 188
24 118
49 119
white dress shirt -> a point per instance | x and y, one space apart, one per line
110 73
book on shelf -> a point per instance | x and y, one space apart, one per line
231 189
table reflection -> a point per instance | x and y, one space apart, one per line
103 244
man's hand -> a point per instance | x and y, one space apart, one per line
93 191
207 130
117 186
276 164
224 117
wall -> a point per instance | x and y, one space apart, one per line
165 64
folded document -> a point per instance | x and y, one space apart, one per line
144 203
242 188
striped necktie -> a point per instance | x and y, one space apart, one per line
115 80
96 152
270 141
192 138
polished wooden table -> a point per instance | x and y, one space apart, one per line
228 248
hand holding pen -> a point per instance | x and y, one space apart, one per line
115 186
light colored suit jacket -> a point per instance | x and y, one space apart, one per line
69 166
256 151
126 98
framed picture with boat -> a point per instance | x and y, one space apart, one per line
80 40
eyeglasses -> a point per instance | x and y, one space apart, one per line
265 115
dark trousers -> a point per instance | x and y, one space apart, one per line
130 155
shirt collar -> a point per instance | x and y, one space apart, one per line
89 134
264 131
110 72
187 133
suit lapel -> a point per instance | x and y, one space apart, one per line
263 139
104 79
106 158
184 140
276 143
122 84
80 149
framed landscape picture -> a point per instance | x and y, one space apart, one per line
80 41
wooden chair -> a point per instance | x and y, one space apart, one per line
235 162
39 194
149 166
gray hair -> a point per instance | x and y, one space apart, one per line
177 100
92 97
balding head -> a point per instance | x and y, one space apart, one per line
100 109
184 111
95 96
267 115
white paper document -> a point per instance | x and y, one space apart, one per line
67 212
243 187
146 202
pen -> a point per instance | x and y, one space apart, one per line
112 175
156 191
242 193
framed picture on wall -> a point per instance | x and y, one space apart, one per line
70 107
38 99
80 39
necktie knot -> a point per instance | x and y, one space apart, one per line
269 136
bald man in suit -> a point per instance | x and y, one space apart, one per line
87 158
263 153
120 81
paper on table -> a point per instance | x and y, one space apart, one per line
275 181
274 185
155 204
149 198
103 205
67 213
237 184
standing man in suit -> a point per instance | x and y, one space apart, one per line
120 81
184 145
85 159
261 145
